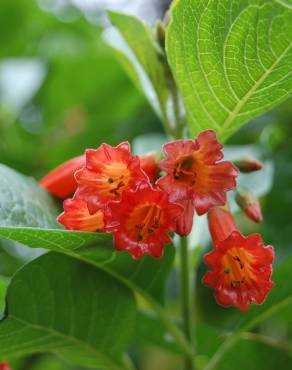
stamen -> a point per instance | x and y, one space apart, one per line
146 220
236 258
184 170
236 267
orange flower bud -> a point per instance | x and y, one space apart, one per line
60 181
248 164
250 205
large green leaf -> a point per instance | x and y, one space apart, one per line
144 61
23 202
231 59
278 300
146 276
59 304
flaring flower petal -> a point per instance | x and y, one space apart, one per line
241 267
141 220
108 172
193 172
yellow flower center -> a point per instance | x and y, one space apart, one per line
237 268
144 221
185 170
114 179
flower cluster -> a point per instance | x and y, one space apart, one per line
141 201
119 192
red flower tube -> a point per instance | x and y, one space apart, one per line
184 222
195 173
61 181
149 165
241 267
142 219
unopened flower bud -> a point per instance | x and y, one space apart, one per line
248 164
61 181
250 205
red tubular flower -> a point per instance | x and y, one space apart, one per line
4 366
195 173
61 181
149 165
142 219
108 172
241 267
77 216
184 222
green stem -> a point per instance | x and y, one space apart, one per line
186 300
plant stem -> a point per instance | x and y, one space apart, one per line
186 299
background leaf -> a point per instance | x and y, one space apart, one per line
231 60
144 61
59 304
23 202
145 68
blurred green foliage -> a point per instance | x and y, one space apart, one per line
83 98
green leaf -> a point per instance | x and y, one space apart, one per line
146 67
3 287
149 331
231 60
61 305
145 63
146 276
252 351
254 356
23 202
279 299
